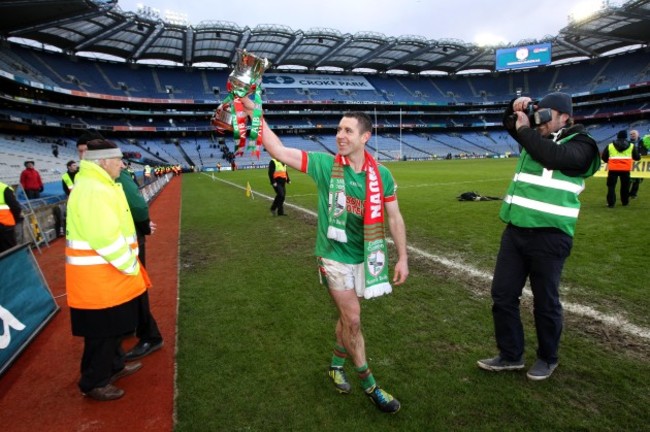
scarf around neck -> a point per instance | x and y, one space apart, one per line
374 240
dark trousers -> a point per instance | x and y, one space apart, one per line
634 188
280 193
7 237
147 330
537 254
612 177
32 194
102 357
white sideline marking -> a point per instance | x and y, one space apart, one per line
615 320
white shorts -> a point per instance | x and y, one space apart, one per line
338 276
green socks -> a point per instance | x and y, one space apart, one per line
338 356
365 375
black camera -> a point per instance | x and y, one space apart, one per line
539 116
535 117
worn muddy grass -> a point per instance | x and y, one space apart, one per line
256 329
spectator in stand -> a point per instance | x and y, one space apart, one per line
635 182
9 215
619 156
31 181
67 180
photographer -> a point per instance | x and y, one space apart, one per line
541 210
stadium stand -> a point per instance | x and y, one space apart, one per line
162 112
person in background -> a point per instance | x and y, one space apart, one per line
147 331
10 215
82 141
619 156
31 181
350 241
67 180
541 210
279 178
105 283
147 174
635 182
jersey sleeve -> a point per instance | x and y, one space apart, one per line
388 183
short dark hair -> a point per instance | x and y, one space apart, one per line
101 144
89 135
365 124
69 164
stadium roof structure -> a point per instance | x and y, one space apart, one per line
100 26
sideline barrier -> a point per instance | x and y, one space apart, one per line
26 303
150 190
51 216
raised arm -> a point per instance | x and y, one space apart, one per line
272 144
398 233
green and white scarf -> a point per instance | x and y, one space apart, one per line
374 239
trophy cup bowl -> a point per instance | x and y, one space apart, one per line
222 118
247 72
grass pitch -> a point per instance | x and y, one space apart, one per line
256 330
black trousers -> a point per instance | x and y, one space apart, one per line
612 177
102 357
7 237
32 194
280 193
147 330
539 255
635 183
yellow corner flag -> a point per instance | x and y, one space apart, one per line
249 191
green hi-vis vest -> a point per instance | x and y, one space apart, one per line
542 198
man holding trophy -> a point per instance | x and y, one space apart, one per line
354 195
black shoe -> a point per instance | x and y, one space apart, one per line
281 214
142 349
272 212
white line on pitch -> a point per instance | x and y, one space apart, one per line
577 309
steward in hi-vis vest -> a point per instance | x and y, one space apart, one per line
101 243
9 214
67 179
105 282
619 157
619 160
279 177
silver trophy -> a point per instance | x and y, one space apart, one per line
247 74
244 80
222 118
